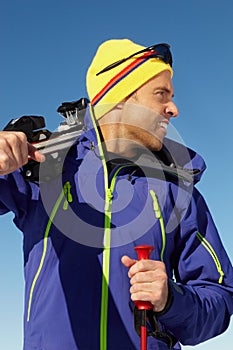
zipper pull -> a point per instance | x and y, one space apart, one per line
222 274
67 194
109 197
109 194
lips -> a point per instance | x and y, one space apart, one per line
163 124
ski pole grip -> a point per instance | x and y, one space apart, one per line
143 252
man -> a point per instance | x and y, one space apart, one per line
123 185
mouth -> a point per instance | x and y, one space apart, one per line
163 124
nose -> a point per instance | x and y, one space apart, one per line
171 110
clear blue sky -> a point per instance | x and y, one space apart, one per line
46 47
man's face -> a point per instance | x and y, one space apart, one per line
142 119
147 112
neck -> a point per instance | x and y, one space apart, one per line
115 142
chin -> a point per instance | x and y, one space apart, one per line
156 145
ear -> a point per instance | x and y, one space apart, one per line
120 105
133 95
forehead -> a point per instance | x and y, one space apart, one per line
162 80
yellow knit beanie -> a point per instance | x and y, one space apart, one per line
108 89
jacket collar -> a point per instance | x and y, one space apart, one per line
174 156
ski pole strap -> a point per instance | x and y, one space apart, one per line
152 325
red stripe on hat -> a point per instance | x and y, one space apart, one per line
121 75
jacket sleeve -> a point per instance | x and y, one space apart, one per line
15 196
203 287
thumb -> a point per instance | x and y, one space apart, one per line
127 261
34 154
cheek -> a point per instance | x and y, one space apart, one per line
157 108
133 115
143 116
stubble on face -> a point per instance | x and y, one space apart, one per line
140 119
136 127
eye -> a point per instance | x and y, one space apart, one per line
161 95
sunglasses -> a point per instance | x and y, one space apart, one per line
160 51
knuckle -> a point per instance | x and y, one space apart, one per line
4 164
22 136
16 137
3 142
132 289
163 276
161 265
135 288
135 278
4 158
142 264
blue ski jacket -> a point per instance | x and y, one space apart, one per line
77 226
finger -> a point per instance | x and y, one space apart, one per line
127 261
142 296
144 277
140 266
141 287
18 144
146 265
156 294
34 154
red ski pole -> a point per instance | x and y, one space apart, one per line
143 252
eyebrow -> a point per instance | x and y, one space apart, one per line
164 89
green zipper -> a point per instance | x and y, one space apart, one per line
106 243
106 259
158 215
214 256
64 193
107 238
